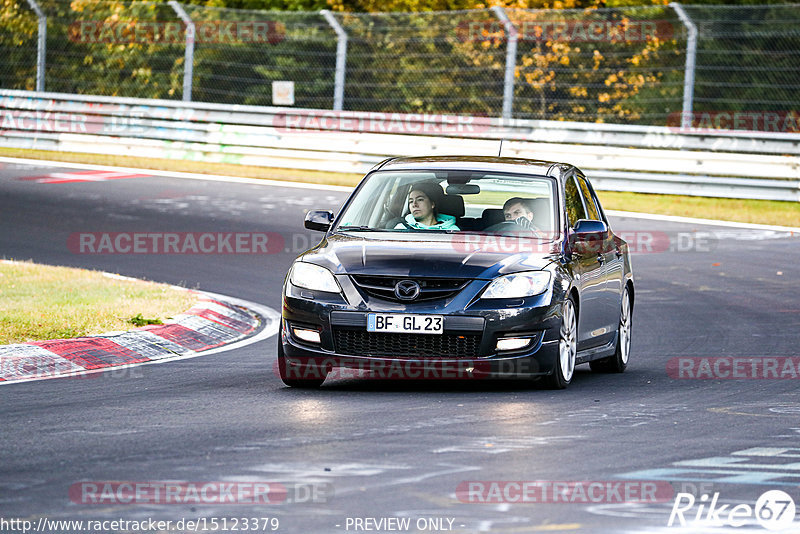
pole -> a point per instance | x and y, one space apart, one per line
341 59
511 60
41 47
691 55
188 62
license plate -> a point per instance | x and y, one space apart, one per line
405 323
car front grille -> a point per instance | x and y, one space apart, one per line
423 346
430 288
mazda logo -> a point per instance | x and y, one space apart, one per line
406 290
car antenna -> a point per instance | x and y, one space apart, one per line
500 152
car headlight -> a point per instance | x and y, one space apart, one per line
518 285
310 276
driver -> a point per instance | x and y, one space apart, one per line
518 210
422 203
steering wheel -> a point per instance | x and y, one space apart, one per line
394 222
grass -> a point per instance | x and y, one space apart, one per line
726 209
39 302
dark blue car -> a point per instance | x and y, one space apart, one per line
460 267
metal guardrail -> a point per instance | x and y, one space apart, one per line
616 157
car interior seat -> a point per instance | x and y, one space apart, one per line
452 205
541 212
491 216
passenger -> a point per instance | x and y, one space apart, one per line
517 210
423 200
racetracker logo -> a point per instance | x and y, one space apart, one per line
354 368
734 368
173 32
714 121
572 31
182 493
568 492
13 367
374 122
638 242
175 243
57 122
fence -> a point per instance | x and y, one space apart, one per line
654 65
616 157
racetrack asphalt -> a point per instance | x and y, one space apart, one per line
377 448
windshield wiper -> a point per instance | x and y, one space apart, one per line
363 228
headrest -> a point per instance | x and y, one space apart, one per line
492 216
452 205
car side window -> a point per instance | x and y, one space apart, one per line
574 204
597 203
588 200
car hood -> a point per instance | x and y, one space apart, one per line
431 254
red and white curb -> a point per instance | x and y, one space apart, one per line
216 323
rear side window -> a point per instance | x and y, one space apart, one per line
588 200
574 204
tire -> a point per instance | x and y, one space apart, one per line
619 361
303 383
567 349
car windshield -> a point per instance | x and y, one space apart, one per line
453 202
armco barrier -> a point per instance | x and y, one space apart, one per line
624 158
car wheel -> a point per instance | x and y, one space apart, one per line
293 382
619 361
567 348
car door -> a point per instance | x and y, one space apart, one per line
612 266
588 272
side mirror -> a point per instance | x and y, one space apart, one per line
319 220
588 236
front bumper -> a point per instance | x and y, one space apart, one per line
466 349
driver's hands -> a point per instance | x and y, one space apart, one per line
525 223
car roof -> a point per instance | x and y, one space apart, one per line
478 163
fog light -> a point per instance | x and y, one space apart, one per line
512 343
304 334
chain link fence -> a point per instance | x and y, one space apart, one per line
113 48
238 54
748 57
617 65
